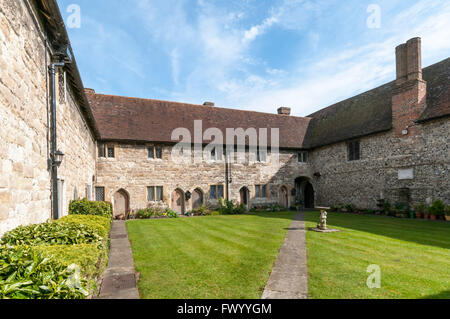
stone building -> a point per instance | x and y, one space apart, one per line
388 143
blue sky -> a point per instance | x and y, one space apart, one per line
250 54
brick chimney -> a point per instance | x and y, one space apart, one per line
209 104
409 92
89 91
284 111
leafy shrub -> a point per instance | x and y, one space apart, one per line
447 210
27 274
437 209
420 208
102 225
202 211
215 213
144 213
51 234
349 208
85 207
171 214
88 257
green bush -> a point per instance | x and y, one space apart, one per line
88 257
51 233
447 210
437 209
215 213
171 214
100 224
27 274
85 207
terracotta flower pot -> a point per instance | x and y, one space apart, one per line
433 217
447 218
426 216
418 215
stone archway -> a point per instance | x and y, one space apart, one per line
178 201
244 196
284 197
304 191
121 203
197 198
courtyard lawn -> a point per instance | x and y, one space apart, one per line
414 257
207 257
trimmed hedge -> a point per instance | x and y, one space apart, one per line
27 274
51 233
85 207
55 260
100 224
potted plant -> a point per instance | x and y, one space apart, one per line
419 209
426 213
447 213
437 209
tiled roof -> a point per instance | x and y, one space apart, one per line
143 120
371 111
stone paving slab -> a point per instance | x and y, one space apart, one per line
119 279
289 278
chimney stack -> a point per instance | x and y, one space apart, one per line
209 104
284 111
89 91
409 61
410 90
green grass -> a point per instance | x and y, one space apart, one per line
414 257
232 256
207 257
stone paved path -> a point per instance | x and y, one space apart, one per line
119 279
289 278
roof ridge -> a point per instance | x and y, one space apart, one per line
196 105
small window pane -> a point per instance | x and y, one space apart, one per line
151 152
305 157
159 193
258 191
212 192
264 191
220 191
100 194
151 194
158 152
101 150
111 152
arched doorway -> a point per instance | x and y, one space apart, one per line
309 196
245 196
121 203
178 201
284 199
197 199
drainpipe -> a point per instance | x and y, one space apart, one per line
55 206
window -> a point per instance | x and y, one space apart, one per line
151 152
111 152
154 193
100 194
158 151
154 152
303 157
261 191
101 150
354 152
216 192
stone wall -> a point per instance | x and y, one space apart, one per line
132 171
362 183
25 186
